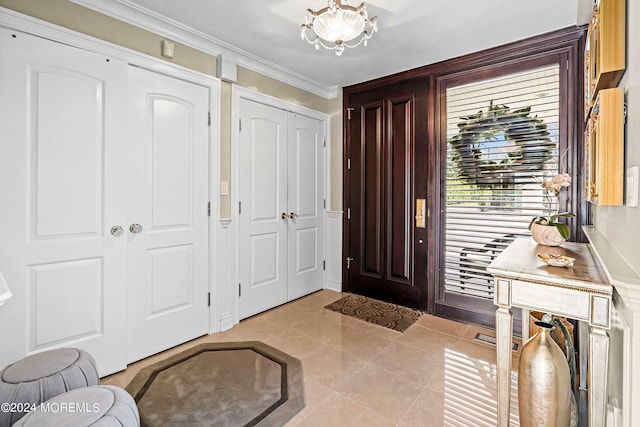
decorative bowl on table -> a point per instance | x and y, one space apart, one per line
557 260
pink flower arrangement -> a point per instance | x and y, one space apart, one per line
553 187
555 184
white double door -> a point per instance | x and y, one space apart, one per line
281 239
91 147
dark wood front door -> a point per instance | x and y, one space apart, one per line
385 173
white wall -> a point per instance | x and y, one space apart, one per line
621 224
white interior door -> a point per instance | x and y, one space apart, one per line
263 202
281 241
168 260
305 182
62 186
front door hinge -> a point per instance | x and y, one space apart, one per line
349 110
209 118
240 125
208 299
324 265
208 208
348 213
349 163
324 203
324 142
239 208
239 289
349 259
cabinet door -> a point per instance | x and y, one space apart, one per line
168 254
62 182
264 212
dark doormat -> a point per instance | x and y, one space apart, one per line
220 384
380 313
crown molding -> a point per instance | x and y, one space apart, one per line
131 13
17 21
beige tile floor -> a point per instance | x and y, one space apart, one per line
359 374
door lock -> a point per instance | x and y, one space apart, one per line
420 217
135 228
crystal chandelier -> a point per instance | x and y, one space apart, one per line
335 25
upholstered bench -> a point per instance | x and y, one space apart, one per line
39 377
96 406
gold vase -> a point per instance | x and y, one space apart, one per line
544 383
547 235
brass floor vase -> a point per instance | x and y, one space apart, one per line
544 384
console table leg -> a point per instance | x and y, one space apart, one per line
598 364
504 332
583 338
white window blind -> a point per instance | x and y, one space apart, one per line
502 139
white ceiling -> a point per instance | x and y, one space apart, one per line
266 33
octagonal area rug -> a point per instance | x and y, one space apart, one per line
220 384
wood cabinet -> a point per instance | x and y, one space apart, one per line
604 149
604 65
605 49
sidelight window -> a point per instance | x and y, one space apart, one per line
502 139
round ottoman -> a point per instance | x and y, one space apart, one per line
39 377
100 406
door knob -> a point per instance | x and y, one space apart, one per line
117 231
292 215
284 216
135 228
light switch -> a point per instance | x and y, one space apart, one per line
632 187
224 188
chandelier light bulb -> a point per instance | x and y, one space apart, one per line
334 26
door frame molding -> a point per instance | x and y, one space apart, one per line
23 23
231 257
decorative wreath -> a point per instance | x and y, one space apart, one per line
530 144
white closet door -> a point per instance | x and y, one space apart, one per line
62 186
168 263
305 181
263 198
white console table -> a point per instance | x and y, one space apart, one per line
580 292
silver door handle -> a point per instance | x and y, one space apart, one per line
135 228
292 215
117 231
